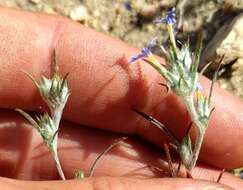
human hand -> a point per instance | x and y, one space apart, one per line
103 90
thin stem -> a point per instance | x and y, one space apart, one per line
169 160
172 37
159 125
189 175
166 86
57 162
196 149
192 111
178 169
91 171
214 80
56 117
201 131
180 6
220 175
159 67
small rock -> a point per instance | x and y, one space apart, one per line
233 4
146 10
228 41
232 79
96 13
79 13
48 9
35 1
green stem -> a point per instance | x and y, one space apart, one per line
201 131
56 118
160 68
172 36
57 162
192 111
196 149
91 171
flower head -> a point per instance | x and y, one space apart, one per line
47 129
54 91
198 92
146 51
169 19
199 87
199 96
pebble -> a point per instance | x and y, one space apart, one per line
233 4
35 1
227 42
79 13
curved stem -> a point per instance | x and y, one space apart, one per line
91 171
58 164
56 117
201 130
196 149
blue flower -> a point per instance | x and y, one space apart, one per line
169 19
128 5
145 52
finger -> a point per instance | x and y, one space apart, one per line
112 183
104 87
24 156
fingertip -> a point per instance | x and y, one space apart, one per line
225 132
114 184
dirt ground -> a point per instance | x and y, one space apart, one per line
132 21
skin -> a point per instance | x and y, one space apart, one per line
104 88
